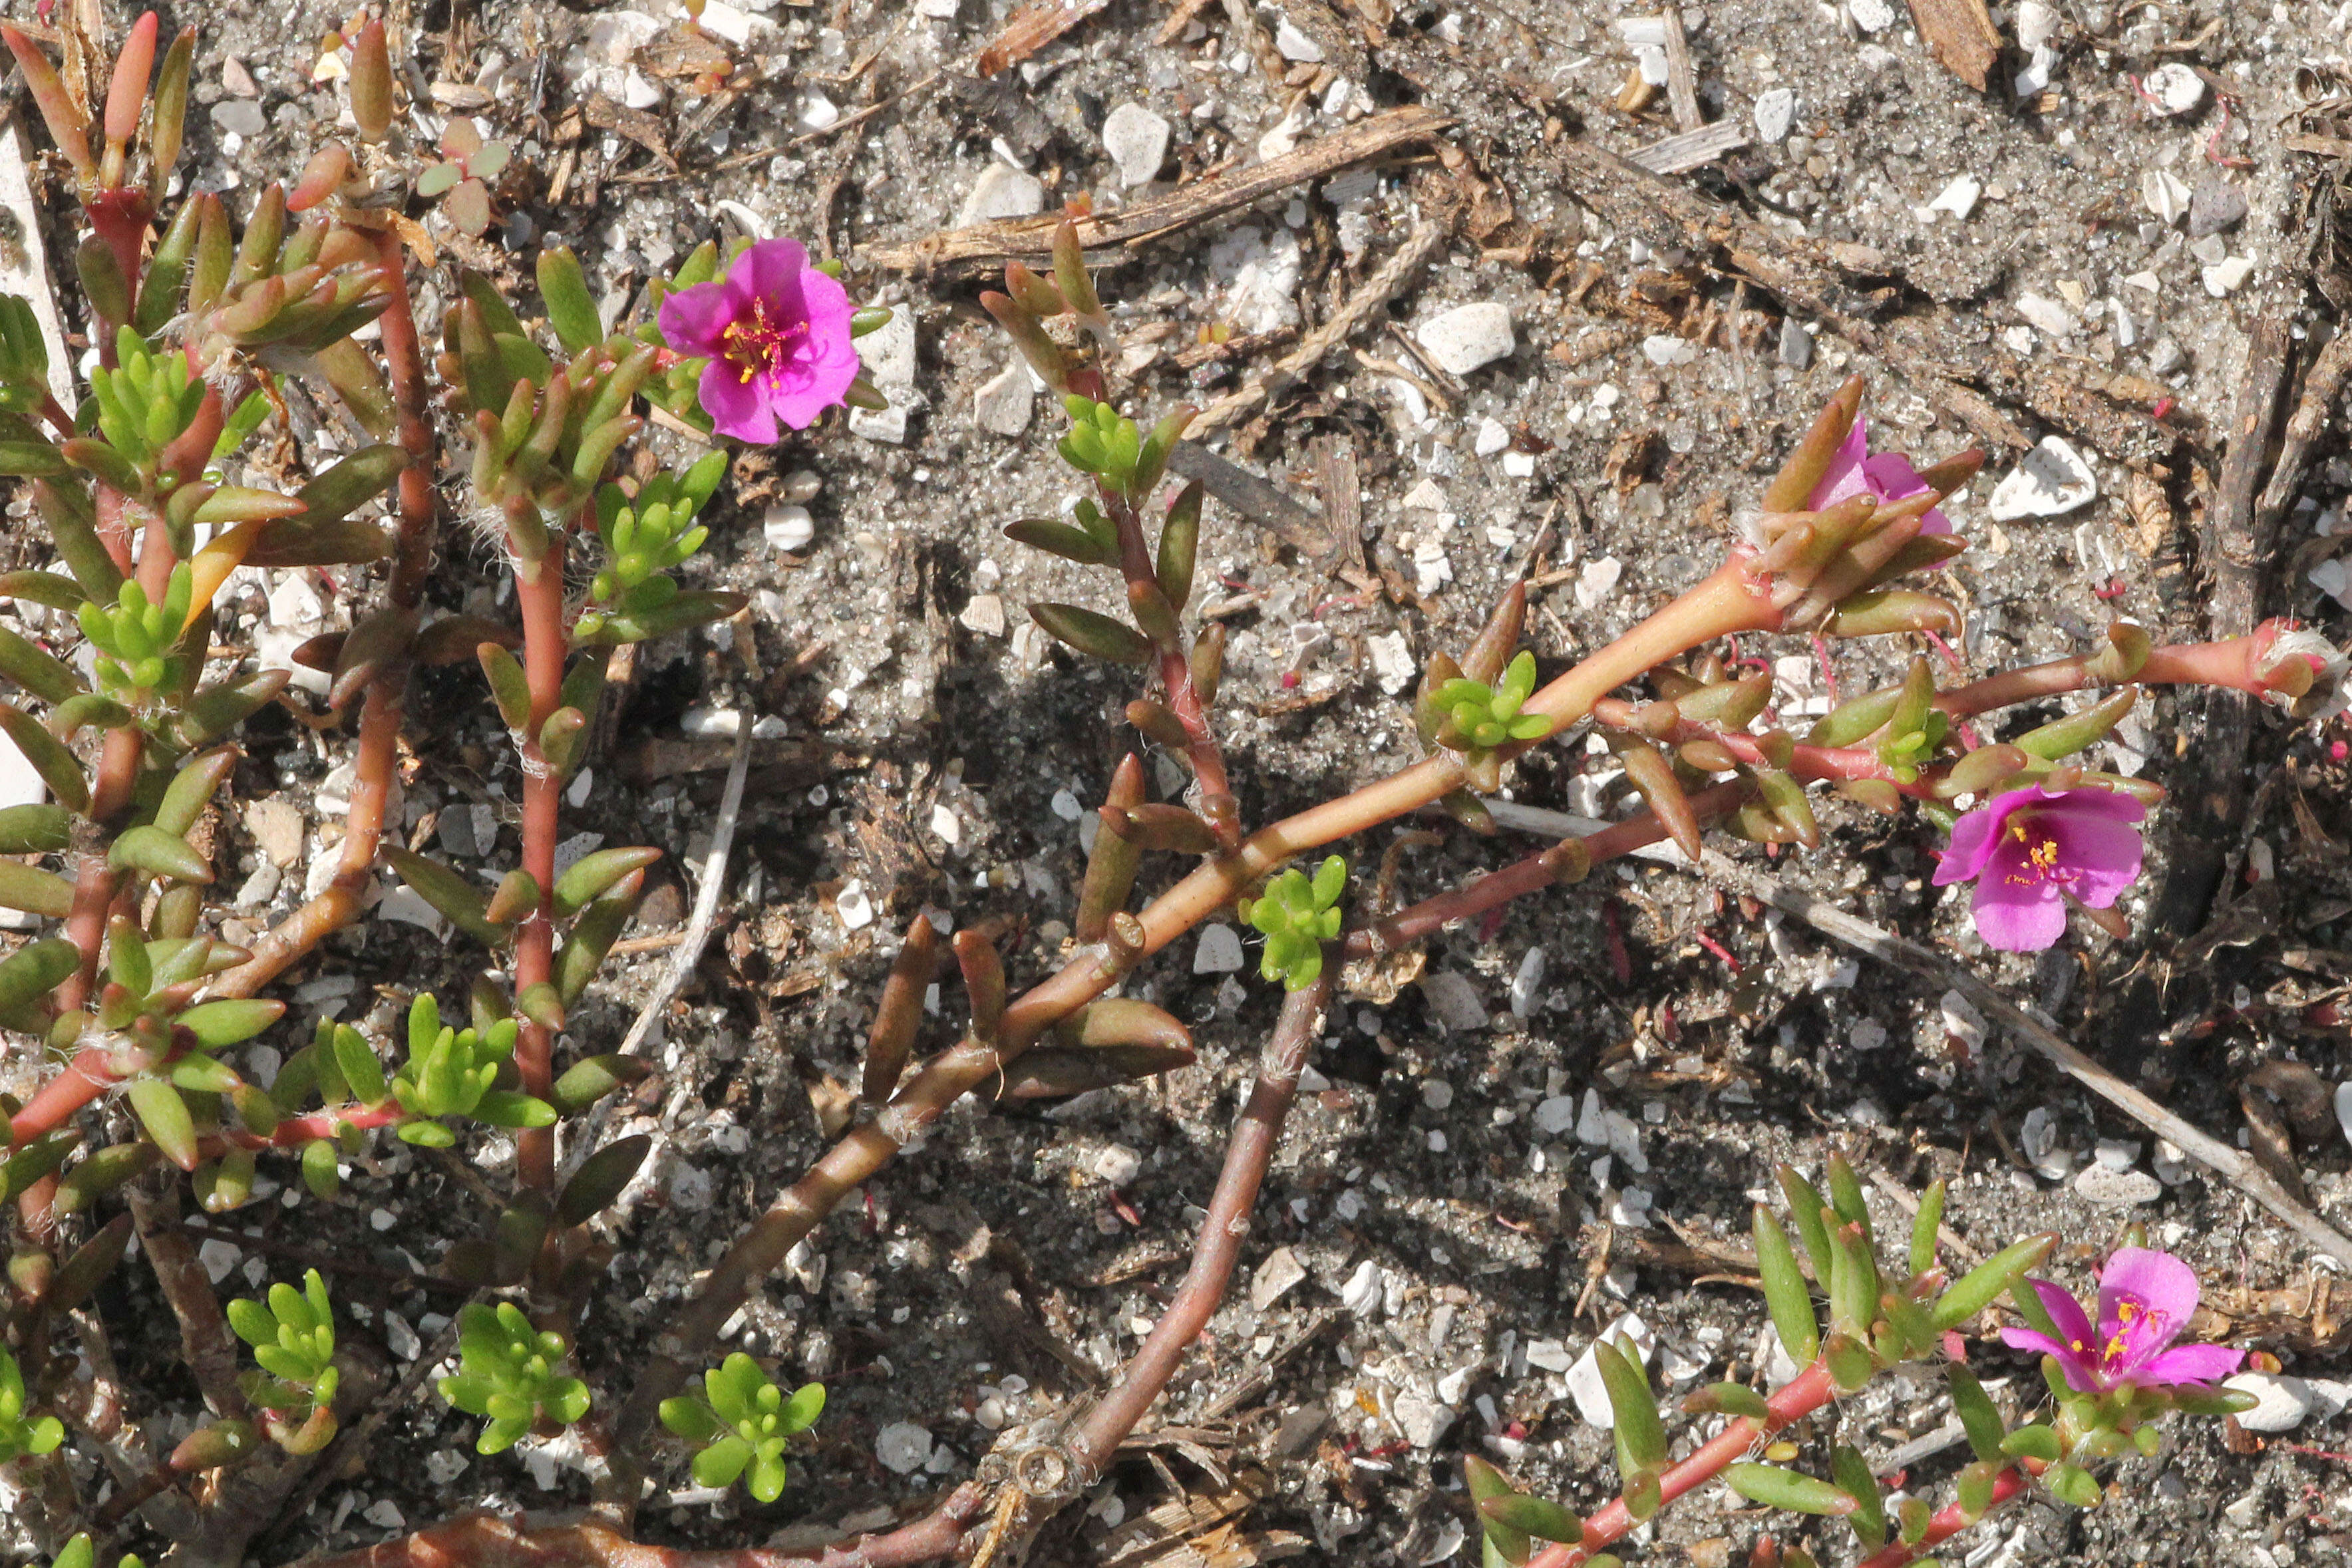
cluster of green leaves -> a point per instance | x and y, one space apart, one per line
742 1421
23 1435
137 640
1110 447
293 1341
633 597
1909 734
594 900
1297 917
1475 719
454 1072
512 1374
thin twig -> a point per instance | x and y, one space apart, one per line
691 942
1383 287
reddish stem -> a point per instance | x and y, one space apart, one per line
1839 762
1808 1392
1947 1522
1531 874
1221 1231
544 645
2234 664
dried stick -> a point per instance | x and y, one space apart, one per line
690 944
205 1337
1219 1248
984 248
1383 287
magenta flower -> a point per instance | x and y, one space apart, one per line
2027 848
776 332
2146 1298
1889 477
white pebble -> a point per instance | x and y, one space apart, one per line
1584 1383
1391 661
788 529
2176 86
2051 481
1362 1293
1492 437
854 907
2226 277
947 825
1218 951
903 1447
1002 192
1776 111
1137 140
2164 194
1437 1094
1002 404
1468 335
1871 16
2281 1402
1528 982
1116 1164
1959 198
1294 44
2037 24
2113 1188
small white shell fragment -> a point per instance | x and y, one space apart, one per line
1218 951
1776 111
1584 1383
1959 198
1002 192
902 1447
2176 86
788 529
887 352
2046 315
1391 661
1003 405
2344 1109
403 904
1362 1293
947 825
1598 581
1664 349
2037 24
2281 1402
1116 1164
2113 1188
2227 277
1528 982
1492 437
1453 1000
1065 805
218 1258
854 907
1871 16
1558 1114
1294 44
2165 195
1275 1278
1468 335
2050 481
1137 140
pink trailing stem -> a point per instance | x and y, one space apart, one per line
1808 1392
1950 1521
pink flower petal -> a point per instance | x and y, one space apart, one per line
1977 834
2191 1363
2104 856
2158 1282
2017 917
736 407
2073 1324
692 320
770 270
1843 476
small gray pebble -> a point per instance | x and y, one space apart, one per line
2217 202
1796 344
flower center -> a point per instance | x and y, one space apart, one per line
2135 1323
757 346
2041 865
